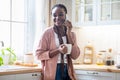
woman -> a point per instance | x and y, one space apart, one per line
56 64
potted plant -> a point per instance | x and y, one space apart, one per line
8 55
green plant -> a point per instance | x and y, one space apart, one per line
9 52
1 61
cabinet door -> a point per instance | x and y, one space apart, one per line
7 77
104 78
84 12
37 76
94 75
95 12
108 11
117 76
28 76
84 77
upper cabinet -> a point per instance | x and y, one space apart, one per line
95 12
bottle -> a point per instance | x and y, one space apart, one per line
109 58
88 54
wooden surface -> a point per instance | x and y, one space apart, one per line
95 67
19 70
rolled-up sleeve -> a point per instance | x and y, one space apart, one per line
42 51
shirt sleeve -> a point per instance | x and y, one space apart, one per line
42 52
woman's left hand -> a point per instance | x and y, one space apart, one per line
68 25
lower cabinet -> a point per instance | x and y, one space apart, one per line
25 76
28 76
118 76
7 77
95 75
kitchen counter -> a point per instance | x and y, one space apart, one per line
95 67
14 69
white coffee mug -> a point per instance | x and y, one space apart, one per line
69 47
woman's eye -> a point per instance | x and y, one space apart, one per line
61 15
54 15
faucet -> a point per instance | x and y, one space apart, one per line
2 43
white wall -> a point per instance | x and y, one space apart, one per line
102 38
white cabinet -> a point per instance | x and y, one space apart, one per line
94 75
7 77
95 12
118 76
83 12
25 76
108 11
28 76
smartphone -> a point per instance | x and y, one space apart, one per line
65 26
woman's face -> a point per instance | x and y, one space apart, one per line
58 16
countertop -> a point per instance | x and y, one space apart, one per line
94 67
13 69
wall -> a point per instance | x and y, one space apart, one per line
102 38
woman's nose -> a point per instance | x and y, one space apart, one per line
57 17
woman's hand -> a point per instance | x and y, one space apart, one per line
68 25
62 48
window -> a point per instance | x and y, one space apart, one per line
21 24
17 19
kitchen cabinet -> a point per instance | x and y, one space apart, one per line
108 11
7 77
83 12
95 12
28 76
118 76
94 75
25 76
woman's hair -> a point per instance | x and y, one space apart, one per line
60 6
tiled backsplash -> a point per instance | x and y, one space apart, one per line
102 38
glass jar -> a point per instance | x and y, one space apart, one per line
100 57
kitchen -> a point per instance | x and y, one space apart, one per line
99 26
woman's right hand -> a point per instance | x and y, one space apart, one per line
62 48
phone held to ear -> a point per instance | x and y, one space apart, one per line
64 22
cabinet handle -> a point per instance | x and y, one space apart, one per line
95 72
34 75
92 73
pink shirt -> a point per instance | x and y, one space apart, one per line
46 44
